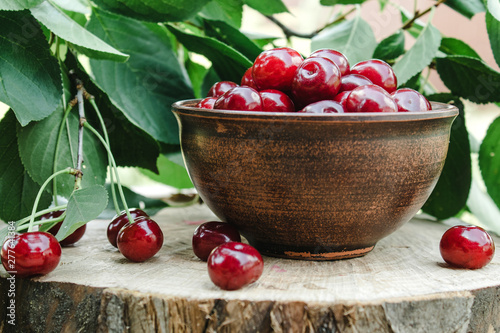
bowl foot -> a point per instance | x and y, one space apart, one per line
314 255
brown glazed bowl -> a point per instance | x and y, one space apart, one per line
314 186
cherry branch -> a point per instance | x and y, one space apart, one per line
81 115
418 14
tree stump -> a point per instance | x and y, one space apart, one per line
403 285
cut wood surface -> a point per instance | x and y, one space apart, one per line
403 285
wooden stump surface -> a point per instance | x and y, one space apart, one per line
403 285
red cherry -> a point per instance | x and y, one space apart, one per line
275 69
370 98
276 101
119 221
71 239
240 98
467 247
31 253
352 81
316 79
140 240
219 88
410 100
234 265
337 57
247 79
325 106
342 97
206 103
209 235
377 71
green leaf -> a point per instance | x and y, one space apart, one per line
467 8
494 8
84 205
469 78
420 55
340 2
230 11
17 190
30 75
151 80
489 160
19 4
354 38
450 195
229 64
83 41
37 143
171 174
196 74
77 6
493 28
453 46
150 206
391 47
154 10
267 7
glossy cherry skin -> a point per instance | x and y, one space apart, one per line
276 101
341 97
247 79
275 68
219 88
467 247
337 57
316 79
119 221
325 106
410 100
370 98
233 265
31 253
377 71
140 240
352 81
206 103
71 239
209 235
240 98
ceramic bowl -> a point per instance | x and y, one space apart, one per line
314 186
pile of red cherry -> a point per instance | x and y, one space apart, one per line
281 80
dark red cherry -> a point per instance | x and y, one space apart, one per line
247 79
325 106
352 81
410 100
370 98
71 239
377 71
337 57
140 240
467 247
206 103
119 221
209 235
234 265
342 98
30 254
275 68
240 98
219 88
276 101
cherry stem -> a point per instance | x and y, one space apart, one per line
44 222
40 213
56 152
42 188
115 168
106 138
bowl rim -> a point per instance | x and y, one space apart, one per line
439 110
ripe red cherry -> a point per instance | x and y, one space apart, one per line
119 221
410 100
316 79
325 106
352 81
370 98
209 235
206 103
71 239
276 101
240 98
247 79
342 98
31 253
275 69
337 57
467 247
140 240
219 88
377 71
234 265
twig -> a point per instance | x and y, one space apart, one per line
81 114
417 14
